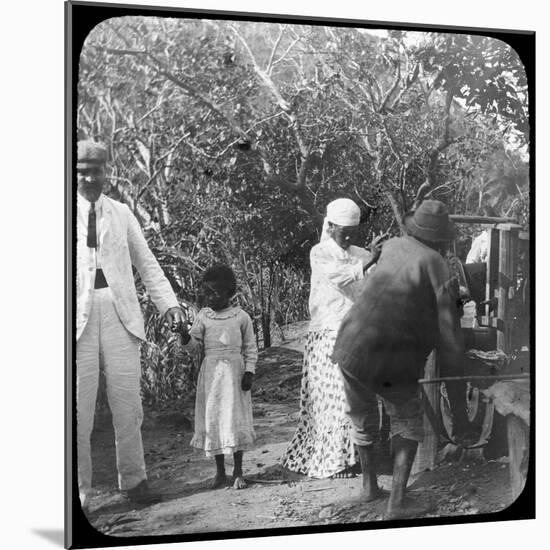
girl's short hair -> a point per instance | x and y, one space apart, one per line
222 275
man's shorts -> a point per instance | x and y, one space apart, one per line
402 405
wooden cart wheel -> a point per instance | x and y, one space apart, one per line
472 404
480 412
446 415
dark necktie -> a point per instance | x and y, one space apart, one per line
92 230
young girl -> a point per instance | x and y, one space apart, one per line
223 407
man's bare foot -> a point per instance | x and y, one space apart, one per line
219 481
238 482
364 497
408 508
371 496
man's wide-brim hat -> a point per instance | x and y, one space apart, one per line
430 222
90 153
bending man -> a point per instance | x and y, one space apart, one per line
406 309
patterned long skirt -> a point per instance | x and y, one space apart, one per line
321 446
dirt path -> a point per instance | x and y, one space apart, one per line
274 498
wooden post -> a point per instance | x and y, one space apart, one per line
518 452
427 450
507 272
492 269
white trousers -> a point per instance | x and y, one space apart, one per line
106 341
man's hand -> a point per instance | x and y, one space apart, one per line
375 246
246 382
179 326
174 316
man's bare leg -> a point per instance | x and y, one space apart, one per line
404 451
370 490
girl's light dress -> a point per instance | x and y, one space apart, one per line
223 411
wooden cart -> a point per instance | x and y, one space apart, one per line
503 323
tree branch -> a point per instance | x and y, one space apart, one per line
121 51
392 89
393 146
204 100
283 104
364 201
284 54
396 212
159 102
433 155
160 168
409 82
264 77
269 66
200 97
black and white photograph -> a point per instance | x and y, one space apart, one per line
300 274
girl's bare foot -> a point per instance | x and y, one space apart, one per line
239 482
219 481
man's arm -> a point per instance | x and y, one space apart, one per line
151 273
450 348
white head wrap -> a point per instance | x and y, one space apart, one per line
340 212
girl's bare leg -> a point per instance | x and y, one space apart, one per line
238 480
220 480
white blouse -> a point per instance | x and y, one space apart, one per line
336 277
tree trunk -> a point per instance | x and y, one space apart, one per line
266 328
397 212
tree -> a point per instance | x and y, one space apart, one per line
228 139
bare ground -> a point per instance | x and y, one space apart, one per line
274 497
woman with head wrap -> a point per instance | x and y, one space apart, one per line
321 446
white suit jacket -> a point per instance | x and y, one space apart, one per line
122 245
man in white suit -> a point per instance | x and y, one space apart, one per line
109 323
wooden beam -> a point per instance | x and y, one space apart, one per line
495 377
488 220
492 267
509 227
518 452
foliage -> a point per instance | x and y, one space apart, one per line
228 139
